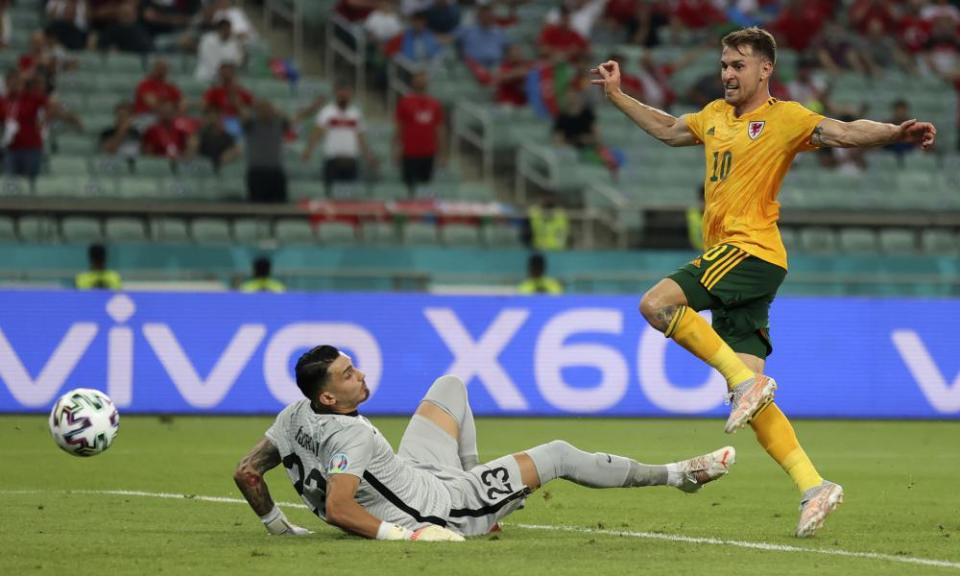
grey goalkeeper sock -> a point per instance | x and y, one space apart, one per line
559 459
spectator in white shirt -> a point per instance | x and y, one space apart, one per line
242 28
384 23
340 124
216 48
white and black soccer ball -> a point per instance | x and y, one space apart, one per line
84 422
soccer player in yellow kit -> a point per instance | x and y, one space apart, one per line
749 140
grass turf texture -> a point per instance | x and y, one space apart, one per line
900 480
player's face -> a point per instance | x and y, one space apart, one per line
347 385
742 74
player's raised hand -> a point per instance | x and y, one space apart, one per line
922 133
609 77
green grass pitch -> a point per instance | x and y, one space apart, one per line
902 502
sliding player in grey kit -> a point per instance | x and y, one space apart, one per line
434 487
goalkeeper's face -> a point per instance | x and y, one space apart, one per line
743 74
346 386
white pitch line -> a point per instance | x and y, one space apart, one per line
763 546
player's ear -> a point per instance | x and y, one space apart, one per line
326 398
766 69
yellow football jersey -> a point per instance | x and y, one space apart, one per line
747 159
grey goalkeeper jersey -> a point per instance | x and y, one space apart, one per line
315 446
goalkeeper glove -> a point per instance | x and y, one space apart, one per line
278 525
429 533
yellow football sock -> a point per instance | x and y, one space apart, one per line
776 435
690 330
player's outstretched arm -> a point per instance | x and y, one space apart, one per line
343 511
664 127
867 134
249 479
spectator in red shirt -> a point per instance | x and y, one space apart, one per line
420 134
355 11
24 109
44 58
913 30
156 89
864 11
560 39
167 137
797 24
228 97
697 14
510 77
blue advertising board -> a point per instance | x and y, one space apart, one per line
572 355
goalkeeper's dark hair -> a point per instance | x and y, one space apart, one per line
761 41
312 368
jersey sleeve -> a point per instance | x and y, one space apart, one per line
277 433
349 451
803 121
696 120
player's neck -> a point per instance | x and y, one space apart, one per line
758 100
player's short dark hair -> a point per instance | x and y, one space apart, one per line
537 263
97 253
312 368
261 267
761 41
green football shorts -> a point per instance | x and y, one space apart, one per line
738 288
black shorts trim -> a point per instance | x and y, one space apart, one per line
396 501
487 510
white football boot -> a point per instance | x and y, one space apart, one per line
704 469
748 398
817 503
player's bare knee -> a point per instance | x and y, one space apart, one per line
657 311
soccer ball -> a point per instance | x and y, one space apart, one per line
84 422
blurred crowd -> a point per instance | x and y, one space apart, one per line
542 65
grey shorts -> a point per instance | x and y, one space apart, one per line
480 497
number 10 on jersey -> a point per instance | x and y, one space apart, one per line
722 162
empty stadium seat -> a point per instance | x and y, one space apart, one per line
475 192
858 240
125 230
939 241
67 165
898 241
81 229
337 233
37 229
294 231
420 233
383 233
62 186
502 235
132 187
8 232
818 239
251 230
460 235
169 230
210 231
